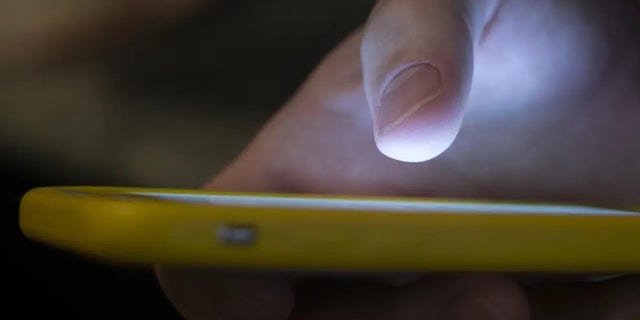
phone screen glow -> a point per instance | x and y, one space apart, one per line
412 206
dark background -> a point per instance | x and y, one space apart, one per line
165 110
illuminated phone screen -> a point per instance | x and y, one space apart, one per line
386 205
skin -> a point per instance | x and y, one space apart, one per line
539 100
549 94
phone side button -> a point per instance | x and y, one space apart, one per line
237 234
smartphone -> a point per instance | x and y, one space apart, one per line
330 233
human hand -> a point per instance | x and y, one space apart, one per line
549 96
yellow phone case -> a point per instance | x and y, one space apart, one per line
326 233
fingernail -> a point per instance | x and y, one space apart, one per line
469 308
409 91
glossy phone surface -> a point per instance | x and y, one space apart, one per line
330 233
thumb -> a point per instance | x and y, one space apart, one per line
417 59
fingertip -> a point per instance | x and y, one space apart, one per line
420 112
421 138
417 62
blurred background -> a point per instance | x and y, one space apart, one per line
154 93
